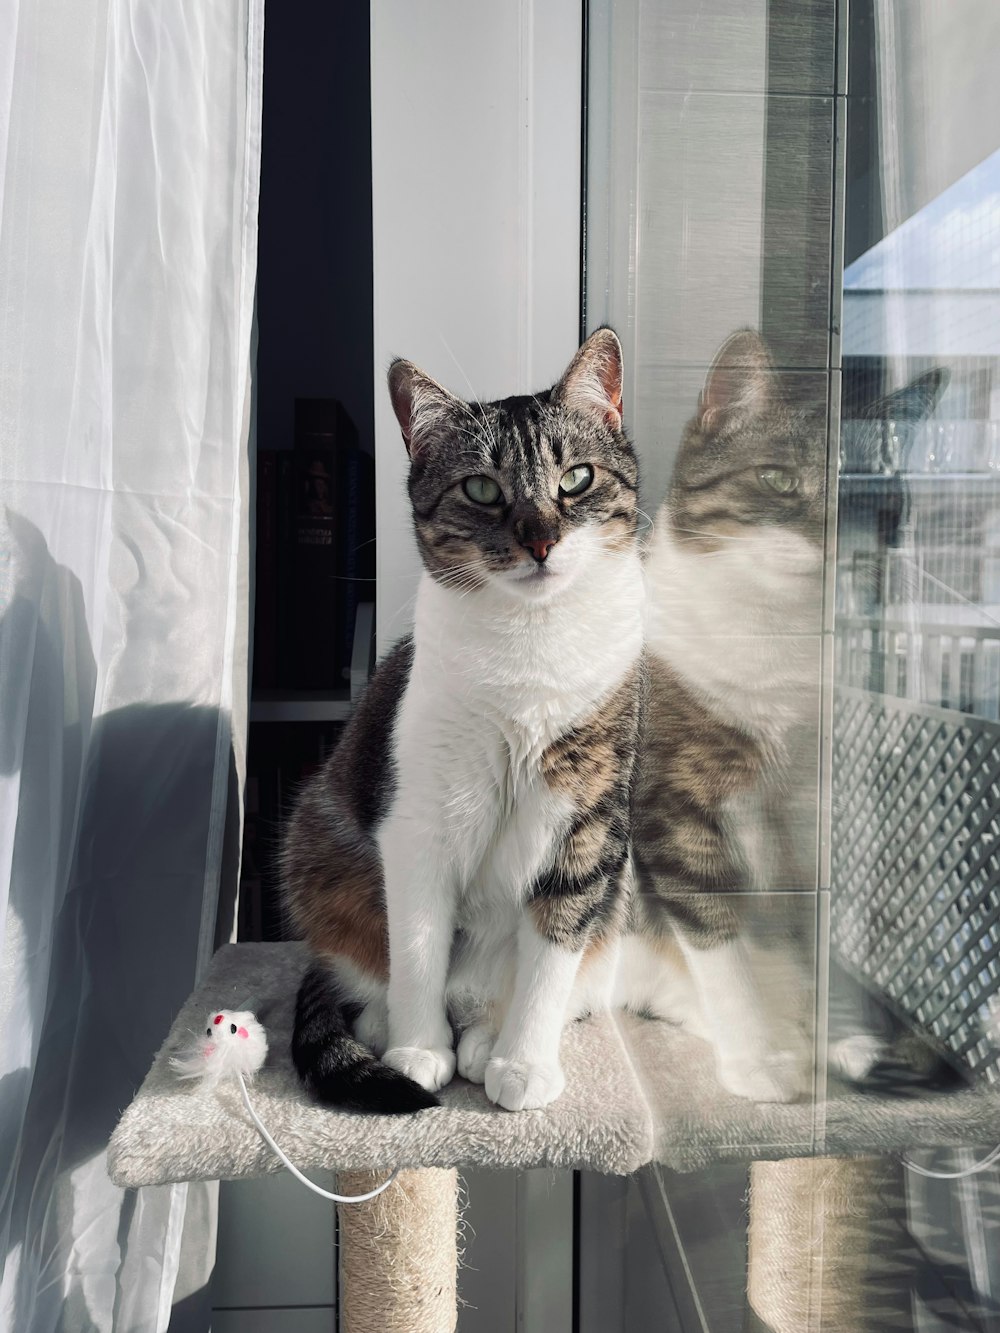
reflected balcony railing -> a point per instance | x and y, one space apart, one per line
915 829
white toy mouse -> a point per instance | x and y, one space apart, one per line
232 1042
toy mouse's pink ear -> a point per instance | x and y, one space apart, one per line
217 1018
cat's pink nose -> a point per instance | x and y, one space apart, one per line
541 547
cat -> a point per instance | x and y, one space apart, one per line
727 786
463 856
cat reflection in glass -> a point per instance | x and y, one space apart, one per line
727 800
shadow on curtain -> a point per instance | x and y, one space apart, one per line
129 162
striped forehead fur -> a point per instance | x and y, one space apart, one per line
717 486
525 444
520 436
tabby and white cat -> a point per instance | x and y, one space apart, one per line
463 857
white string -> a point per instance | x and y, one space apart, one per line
326 1194
984 1165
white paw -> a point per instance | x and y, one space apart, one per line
371 1026
474 1050
431 1067
767 1075
517 1086
855 1057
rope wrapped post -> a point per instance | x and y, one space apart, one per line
399 1253
828 1246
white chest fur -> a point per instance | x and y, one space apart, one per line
494 682
741 624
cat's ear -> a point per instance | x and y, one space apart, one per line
741 379
593 382
914 401
420 404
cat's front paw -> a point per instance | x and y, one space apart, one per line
431 1067
767 1075
474 1050
517 1086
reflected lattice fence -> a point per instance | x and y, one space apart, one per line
916 862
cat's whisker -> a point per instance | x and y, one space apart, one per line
713 536
463 583
469 566
404 608
482 422
446 575
447 347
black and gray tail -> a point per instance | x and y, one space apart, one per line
338 1070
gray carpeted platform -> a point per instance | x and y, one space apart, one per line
637 1091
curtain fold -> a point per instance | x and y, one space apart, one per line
129 164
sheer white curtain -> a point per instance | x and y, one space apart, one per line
129 157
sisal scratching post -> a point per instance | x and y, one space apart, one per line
399 1253
828 1249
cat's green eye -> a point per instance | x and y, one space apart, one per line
779 479
483 490
576 480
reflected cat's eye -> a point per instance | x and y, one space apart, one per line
779 479
484 490
576 480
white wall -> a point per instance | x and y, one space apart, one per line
476 215
476 111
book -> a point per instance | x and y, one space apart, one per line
334 542
315 551
265 622
285 568
356 545
315 587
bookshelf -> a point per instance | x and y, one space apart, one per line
300 706
313 413
278 705
291 734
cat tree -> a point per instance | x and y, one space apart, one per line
637 1092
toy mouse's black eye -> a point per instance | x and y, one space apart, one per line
232 1027
208 1032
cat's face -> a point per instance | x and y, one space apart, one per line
525 493
749 485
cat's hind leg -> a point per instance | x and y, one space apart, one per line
752 1007
475 1047
480 992
755 1003
371 1027
652 979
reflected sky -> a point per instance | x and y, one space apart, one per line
953 242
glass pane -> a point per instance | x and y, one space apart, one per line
916 763
793 221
